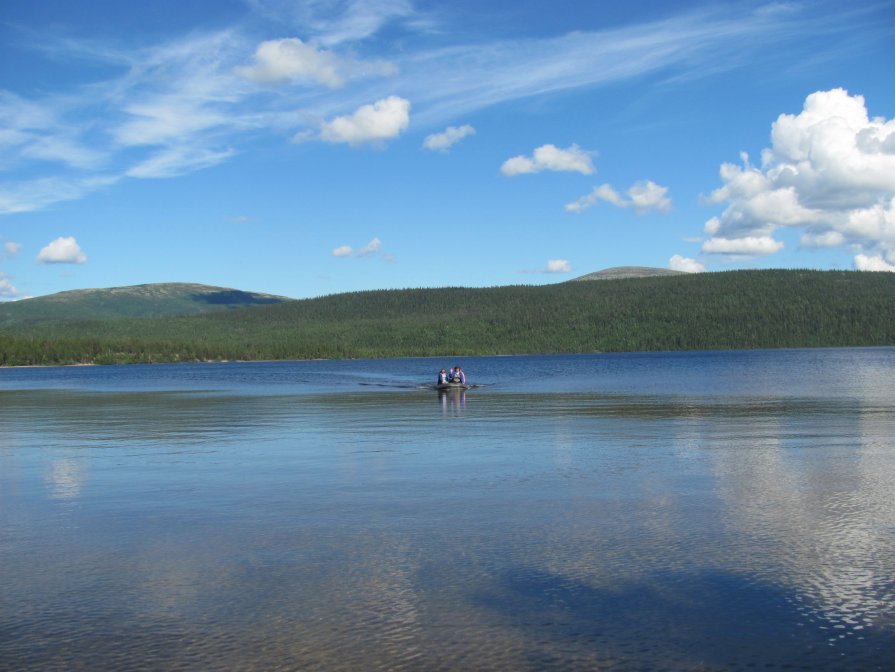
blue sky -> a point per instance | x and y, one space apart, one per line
310 148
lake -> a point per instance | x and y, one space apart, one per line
668 511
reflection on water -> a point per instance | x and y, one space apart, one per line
453 402
826 498
377 528
66 476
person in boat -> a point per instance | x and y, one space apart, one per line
443 377
459 376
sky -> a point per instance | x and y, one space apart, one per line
318 147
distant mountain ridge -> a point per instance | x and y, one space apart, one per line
185 298
150 300
690 311
623 272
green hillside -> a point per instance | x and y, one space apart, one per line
741 309
176 298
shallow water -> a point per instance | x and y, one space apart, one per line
666 511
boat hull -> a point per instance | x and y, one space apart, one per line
447 387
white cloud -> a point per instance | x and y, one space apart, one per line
278 61
62 251
334 23
63 150
166 120
11 249
551 157
825 239
558 266
343 251
291 60
178 161
749 246
371 247
648 195
685 264
7 289
830 171
642 196
553 266
447 138
40 193
375 245
605 192
190 94
383 120
877 263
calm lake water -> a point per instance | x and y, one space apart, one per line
687 511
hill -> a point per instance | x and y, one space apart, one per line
155 300
624 272
737 309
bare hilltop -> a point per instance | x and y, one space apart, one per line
623 272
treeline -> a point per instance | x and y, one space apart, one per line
738 309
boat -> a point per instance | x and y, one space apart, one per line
447 387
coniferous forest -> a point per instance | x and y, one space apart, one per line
727 310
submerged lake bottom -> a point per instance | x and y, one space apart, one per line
674 511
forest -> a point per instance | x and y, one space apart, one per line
705 311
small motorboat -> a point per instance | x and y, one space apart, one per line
447 387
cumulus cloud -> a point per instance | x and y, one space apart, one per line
558 266
62 251
642 196
745 246
343 251
551 157
11 249
196 91
679 263
830 171
440 142
375 245
291 60
371 247
865 263
648 195
553 266
375 123
7 290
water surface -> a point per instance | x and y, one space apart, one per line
716 511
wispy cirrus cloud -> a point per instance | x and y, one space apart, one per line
193 101
335 23
174 161
42 192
